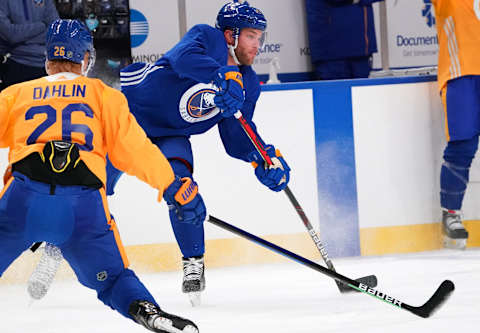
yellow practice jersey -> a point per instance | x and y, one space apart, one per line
83 110
458 28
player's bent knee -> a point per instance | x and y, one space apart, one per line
461 152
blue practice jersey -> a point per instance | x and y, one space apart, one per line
174 96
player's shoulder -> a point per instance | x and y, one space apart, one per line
9 91
93 81
111 95
15 89
203 27
206 30
111 92
248 70
96 83
8 94
249 75
25 84
103 91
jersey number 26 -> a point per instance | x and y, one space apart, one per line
67 127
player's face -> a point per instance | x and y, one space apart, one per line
249 41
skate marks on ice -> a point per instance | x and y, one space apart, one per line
277 298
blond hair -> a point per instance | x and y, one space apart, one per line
59 66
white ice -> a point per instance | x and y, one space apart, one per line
280 298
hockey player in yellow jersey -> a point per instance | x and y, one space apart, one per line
59 130
458 28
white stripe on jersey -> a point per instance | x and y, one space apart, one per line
130 81
135 72
449 27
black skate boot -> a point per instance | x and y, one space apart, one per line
154 319
193 278
455 235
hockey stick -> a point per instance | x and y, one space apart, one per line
370 280
426 310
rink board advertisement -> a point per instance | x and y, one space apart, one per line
412 34
287 37
155 31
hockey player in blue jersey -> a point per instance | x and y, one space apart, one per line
200 83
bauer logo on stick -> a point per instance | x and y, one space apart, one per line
380 295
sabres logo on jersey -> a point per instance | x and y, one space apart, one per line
38 2
196 104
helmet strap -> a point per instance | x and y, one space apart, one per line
231 48
46 67
84 70
90 63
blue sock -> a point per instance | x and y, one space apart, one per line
454 176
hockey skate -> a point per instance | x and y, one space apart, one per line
193 278
454 234
45 271
153 318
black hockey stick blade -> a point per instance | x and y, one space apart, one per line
435 302
369 280
424 311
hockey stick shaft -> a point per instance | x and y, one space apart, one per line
424 311
301 213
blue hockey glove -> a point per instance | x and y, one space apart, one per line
184 202
275 176
230 96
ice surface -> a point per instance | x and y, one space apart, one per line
280 298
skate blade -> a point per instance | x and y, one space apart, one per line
166 326
189 329
195 298
454 244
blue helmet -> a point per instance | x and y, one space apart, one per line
238 15
69 40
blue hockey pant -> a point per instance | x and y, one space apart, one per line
461 102
77 220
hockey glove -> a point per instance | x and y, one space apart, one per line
275 176
229 97
184 202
